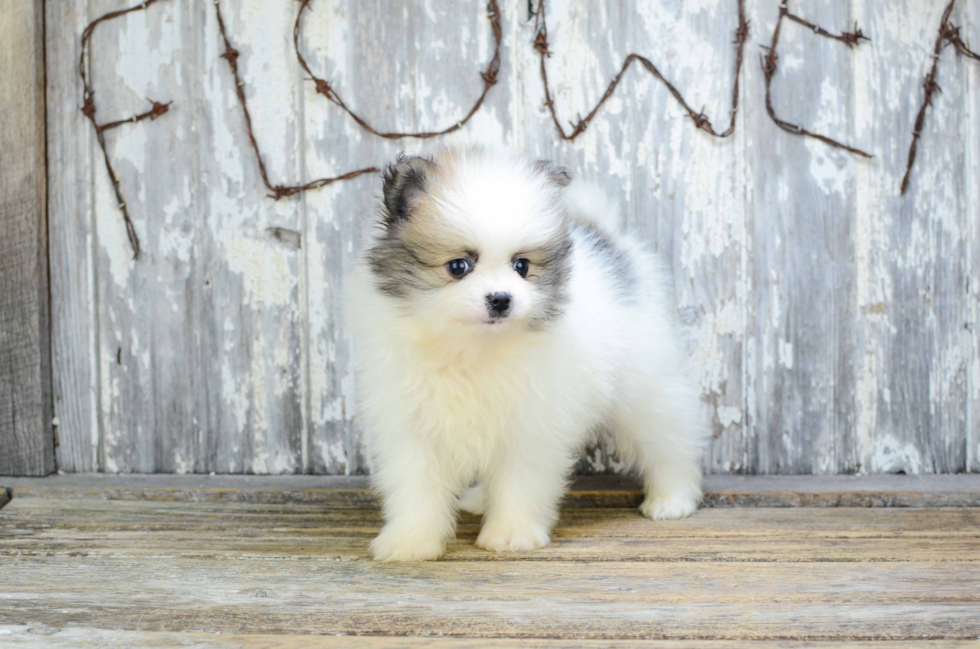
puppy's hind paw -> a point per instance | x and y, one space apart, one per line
498 538
664 508
474 500
391 546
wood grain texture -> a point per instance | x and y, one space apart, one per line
26 438
800 400
74 321
738 575
832 324
55 527
914 310
45 637
971 24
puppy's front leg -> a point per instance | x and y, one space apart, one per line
418 509
523 493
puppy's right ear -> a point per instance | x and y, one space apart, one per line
404 186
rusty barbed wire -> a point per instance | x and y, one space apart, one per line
324 87
89 110
769 64
948 34
278 191
700 120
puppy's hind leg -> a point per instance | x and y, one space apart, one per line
474 499
659 430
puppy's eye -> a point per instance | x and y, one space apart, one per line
458 268
521 266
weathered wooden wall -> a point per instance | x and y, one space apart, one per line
26 438
833 324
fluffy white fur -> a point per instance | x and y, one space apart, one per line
446 401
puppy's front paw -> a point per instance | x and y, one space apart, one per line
663 508
392 545
511 538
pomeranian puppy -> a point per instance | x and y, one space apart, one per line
500 318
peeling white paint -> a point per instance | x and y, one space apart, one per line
892 456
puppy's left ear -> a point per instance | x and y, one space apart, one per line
555 173
404 186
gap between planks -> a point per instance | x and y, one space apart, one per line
959 490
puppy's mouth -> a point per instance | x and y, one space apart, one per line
498 324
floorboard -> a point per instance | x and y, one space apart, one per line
81 569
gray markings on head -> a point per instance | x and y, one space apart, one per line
396 267
550 272
394 262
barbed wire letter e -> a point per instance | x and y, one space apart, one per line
771 61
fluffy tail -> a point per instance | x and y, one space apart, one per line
590 206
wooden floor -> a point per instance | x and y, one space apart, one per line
192 562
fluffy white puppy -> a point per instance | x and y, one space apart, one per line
500 319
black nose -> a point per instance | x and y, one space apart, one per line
498 304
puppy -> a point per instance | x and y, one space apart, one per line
500 318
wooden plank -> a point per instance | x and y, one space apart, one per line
323 595
285 570
799 400
72 238
26 438
197 345
94 528
587 491
912 250
970 18
255 363
84 637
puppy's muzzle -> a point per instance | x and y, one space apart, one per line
498 304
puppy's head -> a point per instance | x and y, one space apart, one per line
473 238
